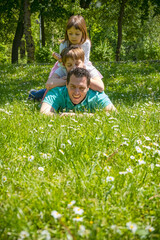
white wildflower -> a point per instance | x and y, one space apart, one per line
129 170
78 219
78 210
23 234
110 179
107 168
123 173
46 235
138 149
61 151
69 142
71 203
4 178
132 226
41 169
81 230
132 157
31 158
139 141
147 138
140 161
157 165
150 228
55 214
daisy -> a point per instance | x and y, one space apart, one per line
63 145
139 141
147 138
157 151
61 151
148 147
107 168
31 158
110 179
123 173
150 228
46 235
78 219
24 234
140 161
71 203
81 230
78 210
132 157
4 178
138 149
157 165
41 169
129 170
69 142
132 226
55 214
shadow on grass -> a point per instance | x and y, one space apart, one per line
125 83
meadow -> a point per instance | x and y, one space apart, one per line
81 177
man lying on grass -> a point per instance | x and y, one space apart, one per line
72 56
76 96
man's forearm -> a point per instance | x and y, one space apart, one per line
97 84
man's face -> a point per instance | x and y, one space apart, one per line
77 89
71 63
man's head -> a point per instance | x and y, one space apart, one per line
72 56
78 81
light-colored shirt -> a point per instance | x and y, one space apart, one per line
61 71
86 46
59 99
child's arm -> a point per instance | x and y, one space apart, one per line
57 56
55 81
97 84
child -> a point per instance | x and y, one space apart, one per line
75 34
74 56
71 57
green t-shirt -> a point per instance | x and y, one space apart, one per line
59 99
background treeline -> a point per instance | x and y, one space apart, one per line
118 29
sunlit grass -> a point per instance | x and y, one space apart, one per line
108 164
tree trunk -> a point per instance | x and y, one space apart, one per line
22 49
42 30
120 21
27 31
17 38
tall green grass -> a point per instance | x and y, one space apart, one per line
109 164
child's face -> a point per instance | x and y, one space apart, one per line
74 35
71 63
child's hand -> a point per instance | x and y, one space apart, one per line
57 56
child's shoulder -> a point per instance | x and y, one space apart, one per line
87 42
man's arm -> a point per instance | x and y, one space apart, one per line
55 81
47 109
97 84
110 107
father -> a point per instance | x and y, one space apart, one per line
75 96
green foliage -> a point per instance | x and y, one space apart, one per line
44 55
4 58
72 160
103 51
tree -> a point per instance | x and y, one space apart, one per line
18 35
27 31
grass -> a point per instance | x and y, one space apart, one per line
48 162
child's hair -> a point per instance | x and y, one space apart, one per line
74 52
79 23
